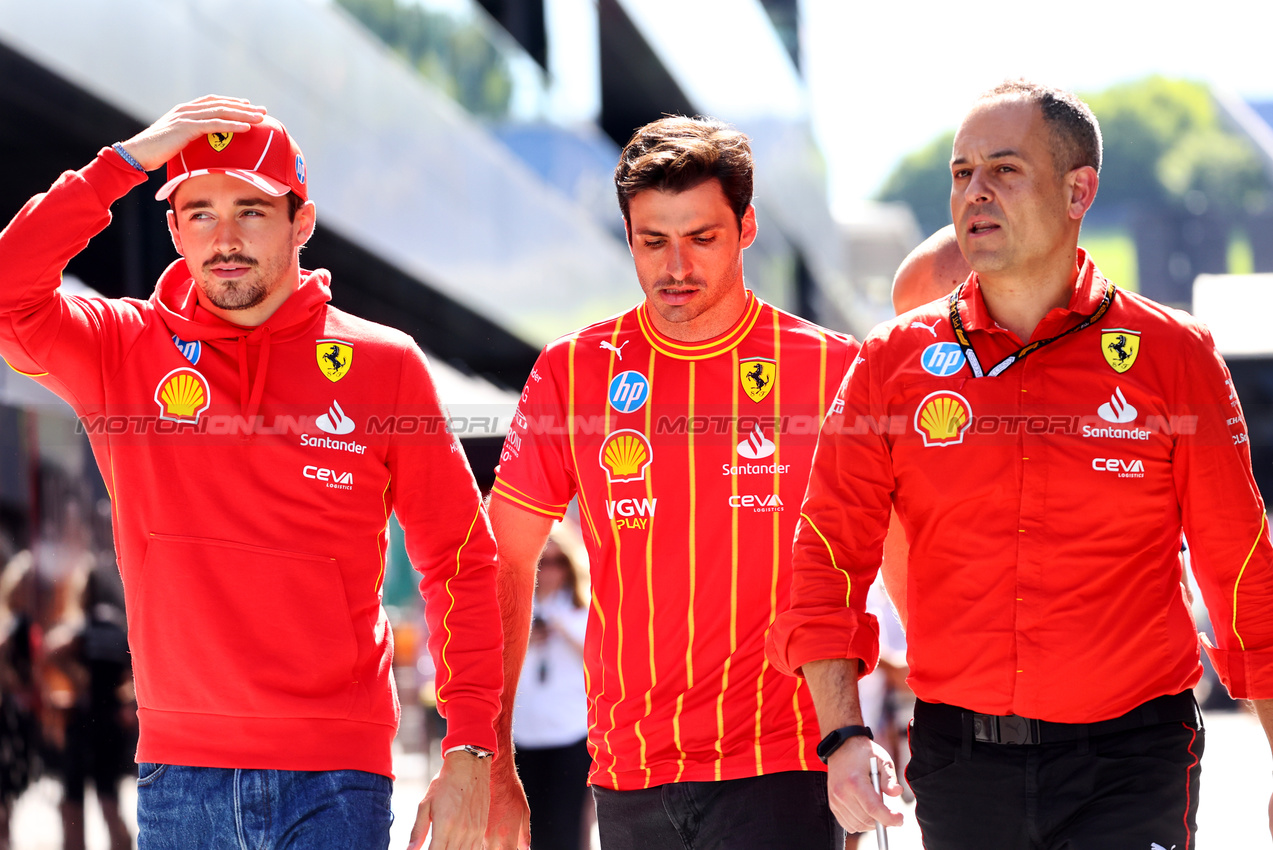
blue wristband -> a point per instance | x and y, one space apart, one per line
118 147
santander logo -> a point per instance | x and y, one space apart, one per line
1117 409
334 421
756 446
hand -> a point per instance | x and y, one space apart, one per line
186 122
455 805
853 799
509 825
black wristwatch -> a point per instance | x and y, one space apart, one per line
832 742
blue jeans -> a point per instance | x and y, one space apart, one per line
193 808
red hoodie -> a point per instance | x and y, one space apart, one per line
252 472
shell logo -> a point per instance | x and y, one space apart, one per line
182 395
942 418
625 455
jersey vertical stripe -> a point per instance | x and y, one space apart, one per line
620 617
649 594
733 576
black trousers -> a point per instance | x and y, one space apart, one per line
778 811
556 783
1136 788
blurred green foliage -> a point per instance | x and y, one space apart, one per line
1240 258
1165 146
1114 252
452 53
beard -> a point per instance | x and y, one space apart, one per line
242 294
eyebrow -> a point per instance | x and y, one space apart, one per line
203 203
696 232
1006 152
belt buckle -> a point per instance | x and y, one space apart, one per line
1018 730
1005 729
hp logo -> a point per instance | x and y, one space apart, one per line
942 359
628 391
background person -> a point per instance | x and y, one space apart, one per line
21 653
931 271
550 716
101 720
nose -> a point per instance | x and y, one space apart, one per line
679 264
227 239
978 190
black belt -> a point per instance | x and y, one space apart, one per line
1011 729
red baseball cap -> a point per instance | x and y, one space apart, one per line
265 157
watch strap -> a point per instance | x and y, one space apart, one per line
837 737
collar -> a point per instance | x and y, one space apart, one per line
1089 289
175 300
726 341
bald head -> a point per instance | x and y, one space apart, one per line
929 272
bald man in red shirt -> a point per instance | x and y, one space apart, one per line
1046 439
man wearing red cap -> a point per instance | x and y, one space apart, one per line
229 415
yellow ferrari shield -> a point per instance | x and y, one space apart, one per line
758 377
1120 347
334 357
219 140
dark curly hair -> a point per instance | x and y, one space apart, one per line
677 153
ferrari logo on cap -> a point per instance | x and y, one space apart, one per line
219 141
334 357
758 376
1120 347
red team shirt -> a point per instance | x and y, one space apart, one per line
688 497
1044 509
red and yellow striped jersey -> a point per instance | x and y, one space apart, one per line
690 462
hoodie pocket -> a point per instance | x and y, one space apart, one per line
224 628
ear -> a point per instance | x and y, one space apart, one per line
303 226
627 228
174 233
748 227
1082 183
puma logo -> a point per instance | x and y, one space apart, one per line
932 330
617 351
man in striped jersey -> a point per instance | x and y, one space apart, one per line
685 427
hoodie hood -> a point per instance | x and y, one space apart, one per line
178 305
176 301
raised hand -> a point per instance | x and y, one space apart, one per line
186 122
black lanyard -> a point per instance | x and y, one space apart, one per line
957 325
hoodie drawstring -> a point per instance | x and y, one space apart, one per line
243 375
250 400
